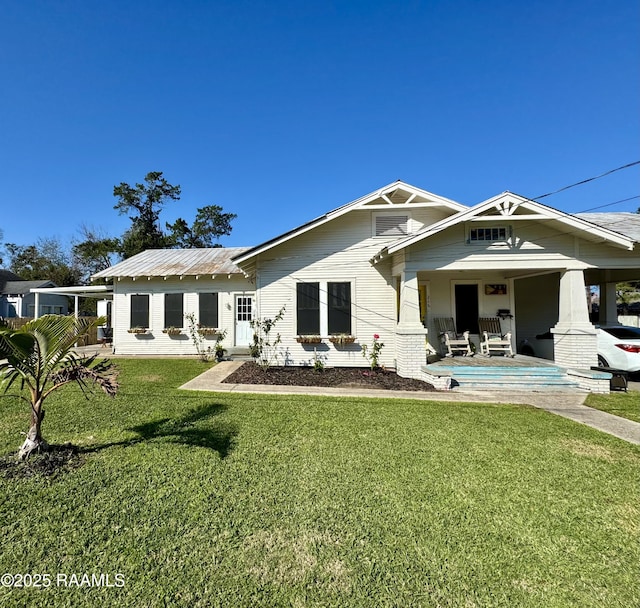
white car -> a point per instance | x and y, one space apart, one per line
619 347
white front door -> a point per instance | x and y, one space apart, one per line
244 316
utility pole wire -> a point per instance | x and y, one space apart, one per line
585 181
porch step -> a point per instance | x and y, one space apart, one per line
503 377
238 353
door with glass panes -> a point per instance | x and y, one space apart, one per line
244 316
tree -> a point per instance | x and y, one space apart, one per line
40 356
144 201
45 259
210 224
95 252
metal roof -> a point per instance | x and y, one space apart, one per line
624 222
175 263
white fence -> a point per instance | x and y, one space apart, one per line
633 320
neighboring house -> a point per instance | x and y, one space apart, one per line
16 299
157 289
391 262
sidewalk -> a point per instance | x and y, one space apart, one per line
567 404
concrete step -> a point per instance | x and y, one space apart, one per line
511 377
238 353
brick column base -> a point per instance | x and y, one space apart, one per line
411 354
575 346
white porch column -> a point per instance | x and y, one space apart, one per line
574 337
36 300
608 306
410 332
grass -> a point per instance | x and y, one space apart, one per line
626 405
203 499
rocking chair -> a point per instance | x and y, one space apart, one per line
454 342
492 339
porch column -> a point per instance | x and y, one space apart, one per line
410 332
36 308
608 306
574 337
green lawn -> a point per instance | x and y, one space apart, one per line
626 405
230 500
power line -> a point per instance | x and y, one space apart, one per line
624 200
585 181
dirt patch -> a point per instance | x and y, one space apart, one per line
585 448
150 378
59 459
337 377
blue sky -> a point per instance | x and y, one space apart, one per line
280 111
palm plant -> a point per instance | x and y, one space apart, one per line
40 357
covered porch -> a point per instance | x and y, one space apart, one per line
545 313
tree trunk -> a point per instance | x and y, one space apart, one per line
34 441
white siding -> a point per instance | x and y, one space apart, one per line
535 246
157 342
337 251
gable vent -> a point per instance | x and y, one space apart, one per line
392 225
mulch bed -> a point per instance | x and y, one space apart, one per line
338 377
59 459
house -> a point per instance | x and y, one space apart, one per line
155 291
390 263
17 299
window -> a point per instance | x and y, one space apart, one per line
323 308
308 308
339 308
391 225
490 234
208 309
49 309
140 310
173 310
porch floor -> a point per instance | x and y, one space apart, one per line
495 361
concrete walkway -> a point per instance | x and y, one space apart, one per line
567 404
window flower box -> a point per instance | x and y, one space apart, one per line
172 331
138 331
342 339
208 331
309 339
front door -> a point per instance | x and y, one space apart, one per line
244 316
466 296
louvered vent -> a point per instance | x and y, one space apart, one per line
392 225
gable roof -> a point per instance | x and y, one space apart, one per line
23 287
394 196
512 207
175 262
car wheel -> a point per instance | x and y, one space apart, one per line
602 362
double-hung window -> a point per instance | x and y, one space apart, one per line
308 308
173 309
208 310
323 308
139 310
339 308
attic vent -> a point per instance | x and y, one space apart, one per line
392 225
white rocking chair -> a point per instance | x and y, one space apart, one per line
454 342
492 339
